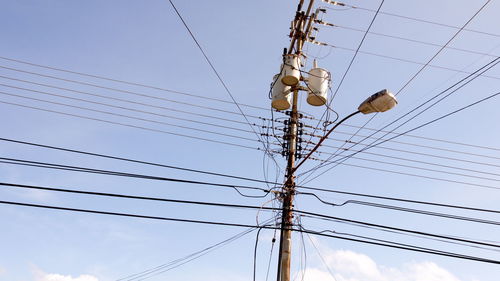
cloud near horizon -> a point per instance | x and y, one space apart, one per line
59 277
351 266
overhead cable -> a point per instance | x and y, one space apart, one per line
125 82
407 247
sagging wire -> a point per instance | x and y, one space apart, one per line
326 114
321 256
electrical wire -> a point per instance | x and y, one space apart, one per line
112 157
414 40
421 162
384 240
47 165
125 196
414 76
129 125
235 177
128 101
242 129
111 106
406 247
408 174
127 116
422 20
407 234
321 257
436 204
217 73
420 126
418 145
351 62
403 230
125 82
482 69
210 173
429 138
392 149
255 254
131 215
123 91
270 255
399 208
419 168
181 261
356 52
407 60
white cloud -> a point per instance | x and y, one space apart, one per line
352 266
59 277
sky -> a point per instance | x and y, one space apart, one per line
173 110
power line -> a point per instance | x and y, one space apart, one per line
415 153
239 177
423 21
236 187
399 208
216 72
418 161
436 204
128 116
122 91
107 156
452 238
410 61
407 174
130 125
211 173
113 106
428 138
481 69
131 101
414 40
356 52
419 145
132 215
350 63
197 114
321 257
147 198
373 144
178 262
418 168
414 76
407 247
173 117
239 206
126 82
401 244
47 165
169 124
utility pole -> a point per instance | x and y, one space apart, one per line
300 29
285 91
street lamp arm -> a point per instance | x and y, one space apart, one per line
324 138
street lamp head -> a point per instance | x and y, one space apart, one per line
378 102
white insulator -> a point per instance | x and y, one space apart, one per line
291 70
318 83
281 98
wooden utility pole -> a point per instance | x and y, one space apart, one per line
301 27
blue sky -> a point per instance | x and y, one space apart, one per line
144 42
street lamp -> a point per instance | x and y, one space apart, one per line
378 102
